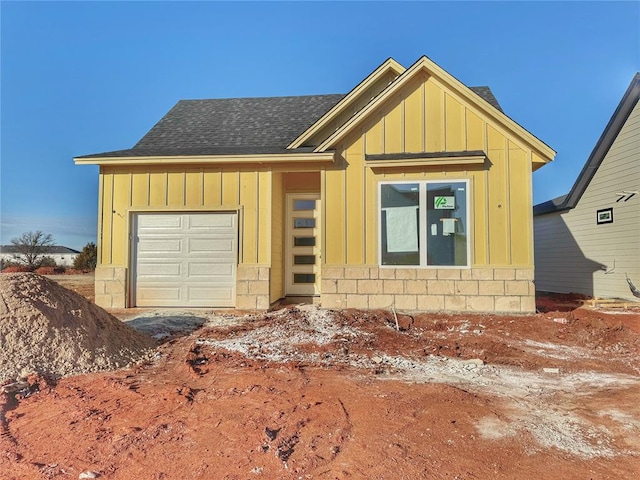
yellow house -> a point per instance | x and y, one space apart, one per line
412 191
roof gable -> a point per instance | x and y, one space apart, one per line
602 147
269 128
359 96
480 97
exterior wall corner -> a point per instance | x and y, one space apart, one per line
111 286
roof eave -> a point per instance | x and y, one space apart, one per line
309 157
542 209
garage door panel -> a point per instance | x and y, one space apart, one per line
159 221
185 259
215 246
159 293
211 222
160 269
211 269
225 297
160 246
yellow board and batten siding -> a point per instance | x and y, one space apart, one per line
428 116
276 282
256 193
359 102
124 190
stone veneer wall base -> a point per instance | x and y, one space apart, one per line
111 286
482 289
252 287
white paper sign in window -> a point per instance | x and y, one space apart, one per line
402 229
448 226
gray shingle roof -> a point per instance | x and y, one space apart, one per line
233 126
486 94
238 126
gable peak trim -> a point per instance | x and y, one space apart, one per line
389 65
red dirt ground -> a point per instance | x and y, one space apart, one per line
305 394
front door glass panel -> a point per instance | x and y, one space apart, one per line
302 275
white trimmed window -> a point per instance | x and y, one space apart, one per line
424 224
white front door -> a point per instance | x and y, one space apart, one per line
185 259
303 244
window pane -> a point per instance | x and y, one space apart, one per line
304 223
304 259
446 224
400 217
304 241
304 278
304 204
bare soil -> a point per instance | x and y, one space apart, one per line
303 393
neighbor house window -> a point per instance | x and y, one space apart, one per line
424 223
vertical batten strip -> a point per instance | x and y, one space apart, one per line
487 252
257 218
531 256
323 218
201 187
365 210
184 187
100 236
403 123
443 113
423 118
465 129
130 190
111 194
345 210
507 202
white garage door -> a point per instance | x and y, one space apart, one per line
185 259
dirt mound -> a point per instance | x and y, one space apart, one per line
47 329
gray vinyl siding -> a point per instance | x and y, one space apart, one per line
572 252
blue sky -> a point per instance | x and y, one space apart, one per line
87 77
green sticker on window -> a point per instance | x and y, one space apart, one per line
444 203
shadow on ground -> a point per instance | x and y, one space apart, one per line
164 326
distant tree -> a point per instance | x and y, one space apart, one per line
87 259
31 248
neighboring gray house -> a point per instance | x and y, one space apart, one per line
588 241
63 256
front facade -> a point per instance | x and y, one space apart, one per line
412 191
588 241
